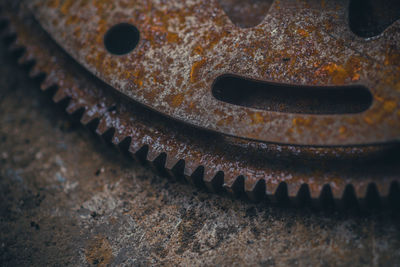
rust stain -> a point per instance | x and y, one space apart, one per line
195 70
177 100
257 118
98 251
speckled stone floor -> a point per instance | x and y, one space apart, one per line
67 198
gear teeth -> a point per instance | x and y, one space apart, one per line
171 162
175 168
235 187
102 128
271 188
34 70
196 178
47 83
383 189
256 191
192 172
190 167
73 107
213 180
117 137
293 189
141 153
372 198
158 162
303 197
87 117
281 194
349 200
59 96
152 154
326 199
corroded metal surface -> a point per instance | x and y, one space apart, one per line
67 199
185 45
203 157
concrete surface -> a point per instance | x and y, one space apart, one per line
67 198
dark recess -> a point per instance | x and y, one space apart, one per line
368 18
291 99
121 39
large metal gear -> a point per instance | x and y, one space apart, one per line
298 102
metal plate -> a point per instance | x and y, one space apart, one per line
185 45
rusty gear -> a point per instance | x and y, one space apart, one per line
276 149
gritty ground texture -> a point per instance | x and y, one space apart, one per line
67 198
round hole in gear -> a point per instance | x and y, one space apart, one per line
121 39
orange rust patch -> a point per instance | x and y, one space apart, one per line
303 32
342 129
256 118
225 121
195 71
340 73
172 37
66 6
198 50
99 251
177 100
301 122
53 3
389 106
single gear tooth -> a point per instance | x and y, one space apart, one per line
60 95
337 189
73 107
171 162
190 167
326 197
118 137
234 185
372 198
47 83
303 197
102 128
349 199
271 187
158 161
34 71
256 191
177 169
281 194
383 188
87 117
137 147
195 177
315 190
293 188
361 189
213 180
250 183
152 154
